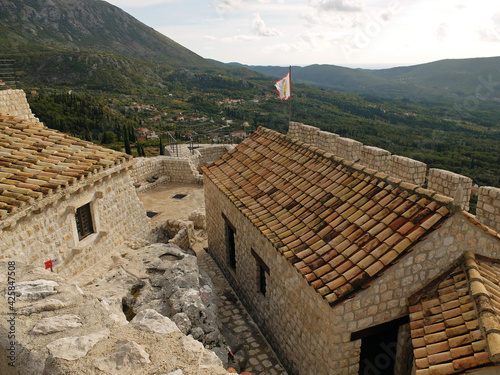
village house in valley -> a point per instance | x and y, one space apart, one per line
60 197
348 270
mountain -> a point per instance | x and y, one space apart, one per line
47 25
440 80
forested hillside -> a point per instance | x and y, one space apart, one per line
94 71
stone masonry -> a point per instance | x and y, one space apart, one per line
410 170
310 336
488 206
48 230
14 103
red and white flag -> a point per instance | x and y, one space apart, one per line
283 86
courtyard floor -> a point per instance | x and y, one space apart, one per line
233 316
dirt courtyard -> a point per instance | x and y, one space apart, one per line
160 200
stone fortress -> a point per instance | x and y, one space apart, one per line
143 174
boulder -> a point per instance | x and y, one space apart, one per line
73 348
151 320
35 289
39 306
206 358
56 323
127 356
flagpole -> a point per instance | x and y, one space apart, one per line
290 105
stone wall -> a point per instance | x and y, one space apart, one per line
309 336
47 229
14 103
409 170
456 186
488 206
376 158
151 172
452 185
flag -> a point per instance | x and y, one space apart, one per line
283 86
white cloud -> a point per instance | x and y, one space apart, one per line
260 28
240 38
210 37
231 5
491 32
337 5
441 33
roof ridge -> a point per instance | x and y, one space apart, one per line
381 176
488 318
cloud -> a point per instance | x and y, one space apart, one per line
210 37
240 38
491 32
337 5
441 33
231 5
260 28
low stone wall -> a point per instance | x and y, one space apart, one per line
151 172
376 158
447 183
407 169
452 185
174 232
14 103
488 206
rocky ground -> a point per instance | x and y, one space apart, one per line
147 308
63 328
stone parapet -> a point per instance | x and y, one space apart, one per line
348 149
376 158
452 185
151 172
407 169
488 206
14 103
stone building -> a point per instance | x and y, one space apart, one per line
348 270
62 198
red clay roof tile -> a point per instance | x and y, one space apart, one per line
338 218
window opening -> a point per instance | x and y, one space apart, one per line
231 247
83 219
262 280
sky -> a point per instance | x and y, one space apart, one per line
354 33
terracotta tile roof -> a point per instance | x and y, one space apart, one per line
36 161
340 224
455 325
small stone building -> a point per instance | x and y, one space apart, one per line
63 198
344 267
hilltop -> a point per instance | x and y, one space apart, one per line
438 81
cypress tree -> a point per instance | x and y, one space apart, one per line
162 151
128 150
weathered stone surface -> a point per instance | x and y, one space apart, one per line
55 324
198 219
183 323
206 358
73 348
124 359
176 372
43 305
151 320
35 290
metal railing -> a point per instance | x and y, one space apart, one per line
172 143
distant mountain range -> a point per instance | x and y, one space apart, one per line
440 80
93 44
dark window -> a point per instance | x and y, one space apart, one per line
263 269
231 246
84 224
262 280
